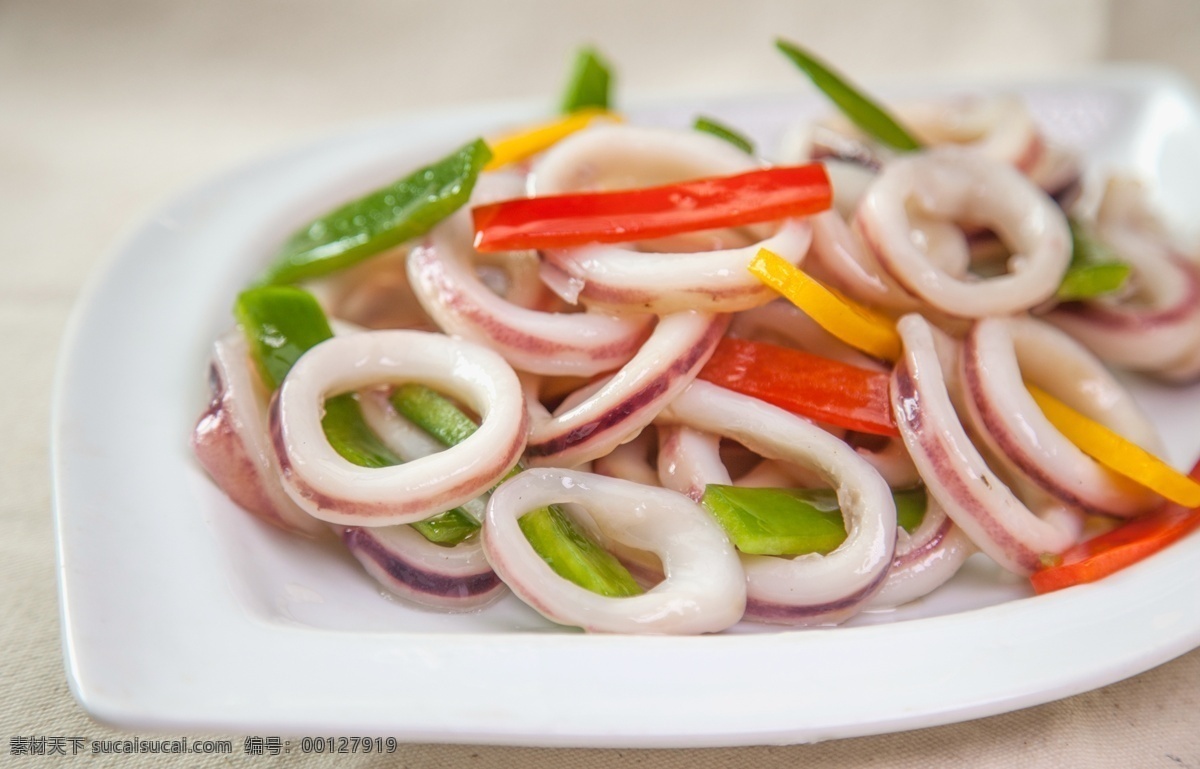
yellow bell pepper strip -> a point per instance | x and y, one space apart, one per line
622 216
590 84
515 147
1124 546
1116 453
857 326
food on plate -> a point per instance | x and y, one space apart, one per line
652 383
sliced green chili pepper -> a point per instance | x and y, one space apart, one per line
1095 269
857 106
350 435
793 521
385 218
573 556
722 131
560 543
434 413
281 323
910 507
589 84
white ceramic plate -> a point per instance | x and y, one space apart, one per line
182 613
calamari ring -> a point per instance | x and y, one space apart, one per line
583 430
704 589
964 187
924 560
330 488
955 473
998 355
551 343
230 440
455 578
808 589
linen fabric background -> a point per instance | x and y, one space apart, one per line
109 107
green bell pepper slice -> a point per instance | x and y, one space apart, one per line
863 111
590 83
561 544
789 522
382 219
722 131
1095 269
281 323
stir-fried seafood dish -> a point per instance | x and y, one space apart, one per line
650 382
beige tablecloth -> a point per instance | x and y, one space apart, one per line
107 108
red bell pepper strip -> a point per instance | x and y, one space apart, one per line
805 384
1125 545
621 216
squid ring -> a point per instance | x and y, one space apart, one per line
704 590
965 187
807 589
997 354
333 489
955 473
551 343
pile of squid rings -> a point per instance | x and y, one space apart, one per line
963 243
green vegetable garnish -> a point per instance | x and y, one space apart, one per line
1095 269
350 435
281 323
573 556
550 531
777 521
434 413
589 84
910 507
385 218
857 106
793 521
721 131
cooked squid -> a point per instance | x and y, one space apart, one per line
957 186
703 590
330 488
568 377
808 589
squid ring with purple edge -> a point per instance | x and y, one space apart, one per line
961 186
808 589
954 471
551 343
231 440
335 490
667 362
704 590
998 354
